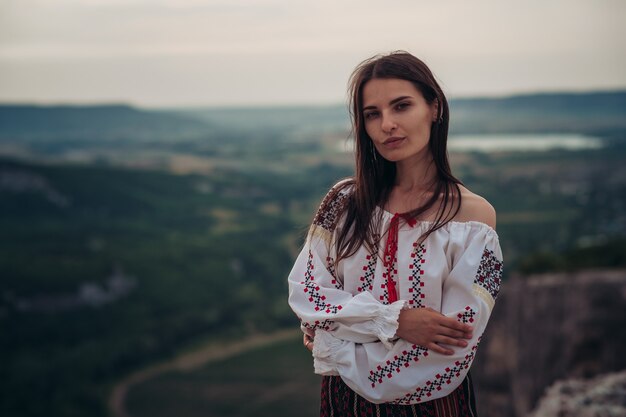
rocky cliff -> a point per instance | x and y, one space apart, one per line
546 328
603 396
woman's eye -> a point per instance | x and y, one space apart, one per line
370 115
402 106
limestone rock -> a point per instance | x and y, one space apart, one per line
602 396
545 328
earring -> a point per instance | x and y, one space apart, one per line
374 157
439 119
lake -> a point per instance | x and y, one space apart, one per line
509 142
521 142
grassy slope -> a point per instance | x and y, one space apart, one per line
199 275
276 381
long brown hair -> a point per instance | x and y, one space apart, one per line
374 176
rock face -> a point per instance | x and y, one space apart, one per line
546 328
604 396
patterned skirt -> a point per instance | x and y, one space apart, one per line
338 400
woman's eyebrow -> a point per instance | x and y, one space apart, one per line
395 100
391 103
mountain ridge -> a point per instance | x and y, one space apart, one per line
599 113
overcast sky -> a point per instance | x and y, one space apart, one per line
158 53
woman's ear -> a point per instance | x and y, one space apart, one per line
435 110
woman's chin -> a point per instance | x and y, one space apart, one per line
394 156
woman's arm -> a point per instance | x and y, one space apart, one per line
425 327
430 328
411 373
316 293
321 304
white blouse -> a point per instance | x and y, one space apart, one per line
457 270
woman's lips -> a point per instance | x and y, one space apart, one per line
393 141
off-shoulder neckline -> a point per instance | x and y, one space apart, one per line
469 223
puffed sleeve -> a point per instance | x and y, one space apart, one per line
408 373
316 292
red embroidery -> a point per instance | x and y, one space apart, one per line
330 265
368 274
415 279
391 257
440 380
313 290
324 325
396 365
331 208
467 316
489 274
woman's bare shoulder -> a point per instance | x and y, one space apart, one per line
475 208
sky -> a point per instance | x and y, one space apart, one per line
170 53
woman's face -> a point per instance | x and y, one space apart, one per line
397 118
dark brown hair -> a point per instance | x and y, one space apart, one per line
374 176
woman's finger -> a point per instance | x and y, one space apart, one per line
455 325
457 334
450 341
449 322
308 342
439 349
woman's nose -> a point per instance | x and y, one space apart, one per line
388 124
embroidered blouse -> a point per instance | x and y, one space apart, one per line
352 310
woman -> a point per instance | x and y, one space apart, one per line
402 264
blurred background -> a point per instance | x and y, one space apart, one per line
160 162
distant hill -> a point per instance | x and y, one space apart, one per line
33 122
298 118
596 113
593 112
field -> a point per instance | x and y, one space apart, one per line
275 380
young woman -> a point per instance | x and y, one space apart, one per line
402 265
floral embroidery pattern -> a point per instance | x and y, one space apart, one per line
368 274
330 265
467 316
329 211
388 276
396 365
324 325
424 392
417 257
489 274
311 288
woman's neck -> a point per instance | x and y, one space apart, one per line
415 175
413 187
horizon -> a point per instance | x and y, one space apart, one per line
617 90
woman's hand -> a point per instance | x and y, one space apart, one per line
308 342
431 329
